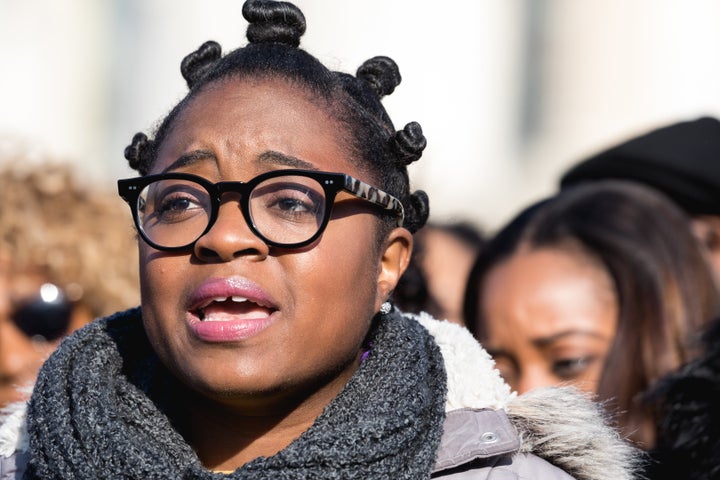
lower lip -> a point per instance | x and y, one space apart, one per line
230 330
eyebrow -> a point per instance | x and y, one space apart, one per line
269 157
545 341
276 158
191 158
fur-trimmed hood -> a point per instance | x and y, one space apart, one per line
560 424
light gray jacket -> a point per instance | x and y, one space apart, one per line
489 433
483 444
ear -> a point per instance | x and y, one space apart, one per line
394 260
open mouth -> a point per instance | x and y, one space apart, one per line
232 308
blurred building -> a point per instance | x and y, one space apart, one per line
508 92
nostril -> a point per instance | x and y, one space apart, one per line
212 252
206 254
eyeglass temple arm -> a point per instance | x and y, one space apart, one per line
374 195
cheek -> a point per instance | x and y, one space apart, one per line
346 261
339 285
162 283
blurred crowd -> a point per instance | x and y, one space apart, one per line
610 285
67 256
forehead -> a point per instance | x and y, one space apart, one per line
239 119
550 289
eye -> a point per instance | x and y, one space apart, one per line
290 201
293 201
176 203
570 368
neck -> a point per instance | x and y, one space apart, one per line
225 442
227 433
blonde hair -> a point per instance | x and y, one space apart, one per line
77 236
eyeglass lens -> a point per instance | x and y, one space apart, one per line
285 210
47 315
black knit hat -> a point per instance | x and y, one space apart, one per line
682 160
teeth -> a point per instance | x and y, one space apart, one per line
211 300
205 304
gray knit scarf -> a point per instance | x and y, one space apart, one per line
100 409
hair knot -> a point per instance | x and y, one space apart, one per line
139 153
408 143
417 211
381 73
196 64
273 22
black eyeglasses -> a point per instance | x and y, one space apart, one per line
47 315
284 208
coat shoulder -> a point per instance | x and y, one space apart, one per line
482 444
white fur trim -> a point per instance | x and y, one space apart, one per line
472 379
13 431
569 429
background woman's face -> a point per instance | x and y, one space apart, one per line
22 355
309 309
550 317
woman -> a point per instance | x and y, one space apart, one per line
602 286
65 258
264 346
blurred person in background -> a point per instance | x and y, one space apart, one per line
435 279
682 160
66 257
688 444
602 286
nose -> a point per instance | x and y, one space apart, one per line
230 237
532 378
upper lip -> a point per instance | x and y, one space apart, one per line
235 288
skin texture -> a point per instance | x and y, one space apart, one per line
551 317
254 396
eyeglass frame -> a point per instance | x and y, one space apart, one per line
129 190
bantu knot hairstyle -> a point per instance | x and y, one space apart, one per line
140 153
198 63
409 143
381 73
417 211
274 33
273 22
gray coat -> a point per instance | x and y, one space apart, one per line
484 445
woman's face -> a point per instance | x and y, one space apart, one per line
300 331
550 317
22 354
